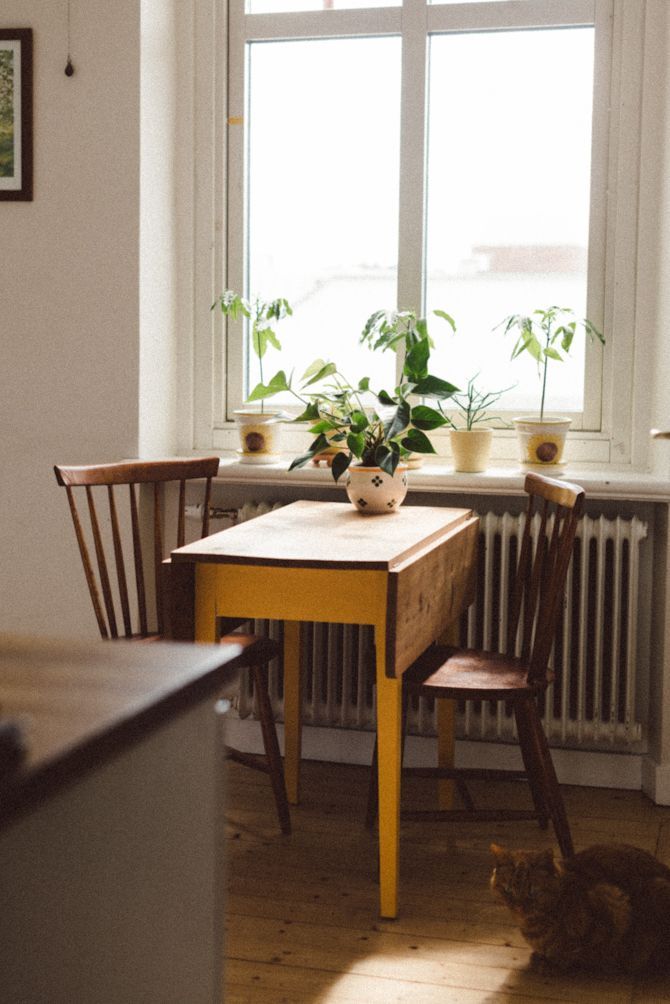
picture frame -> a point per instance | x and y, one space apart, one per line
16 114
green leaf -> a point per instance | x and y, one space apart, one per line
358 421
568 334
385 398
387 459
277 384
447 317
259 342
313 368
271 337
427 418
416 361
356 443
339 465
326 370
319 444
324 426
310 414
528 342
364 384
432 386
399 421
302 460
417 442
553 354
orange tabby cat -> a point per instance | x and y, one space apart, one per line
606 908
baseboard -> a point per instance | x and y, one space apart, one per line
581 767
656 781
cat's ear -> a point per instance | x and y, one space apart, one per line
498 852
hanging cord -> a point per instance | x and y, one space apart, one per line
69 68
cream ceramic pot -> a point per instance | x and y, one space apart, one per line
541 443
259 436
373 491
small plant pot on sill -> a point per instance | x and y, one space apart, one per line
259 436
541 443
471 449
373 492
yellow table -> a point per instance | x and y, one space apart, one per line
409 574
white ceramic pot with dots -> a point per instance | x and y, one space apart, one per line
373 491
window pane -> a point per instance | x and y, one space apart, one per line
323 194
283 6
508 198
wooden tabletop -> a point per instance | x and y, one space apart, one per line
326 534
77 704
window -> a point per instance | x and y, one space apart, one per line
422 155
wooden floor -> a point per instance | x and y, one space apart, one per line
302 922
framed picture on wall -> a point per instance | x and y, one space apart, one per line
16 113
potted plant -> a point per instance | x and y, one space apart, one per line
470 439
547 334
375 432
402 331
259 428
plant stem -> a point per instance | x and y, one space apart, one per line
544 388
544 373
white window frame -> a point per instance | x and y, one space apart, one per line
219 105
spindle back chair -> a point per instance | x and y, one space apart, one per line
518 673
106 535
116 479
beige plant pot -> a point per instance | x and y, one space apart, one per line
542 443
471 449
373 492
259 436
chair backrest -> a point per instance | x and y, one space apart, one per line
553 512
106 531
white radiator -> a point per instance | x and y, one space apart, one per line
598 657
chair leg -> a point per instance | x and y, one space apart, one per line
271 745
527 747
551 787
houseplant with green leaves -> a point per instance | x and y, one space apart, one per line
547 335
259 428
374 431
471 426
401 331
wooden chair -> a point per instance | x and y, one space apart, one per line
112 605
518 674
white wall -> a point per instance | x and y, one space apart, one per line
69 300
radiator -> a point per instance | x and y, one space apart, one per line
598 657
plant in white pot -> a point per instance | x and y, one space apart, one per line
375 431
471 433
547 334
258 427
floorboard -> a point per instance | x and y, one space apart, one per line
301 911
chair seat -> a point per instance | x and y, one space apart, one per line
445 671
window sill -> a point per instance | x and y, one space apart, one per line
603 483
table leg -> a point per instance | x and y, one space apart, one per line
205 603
292 710
389 708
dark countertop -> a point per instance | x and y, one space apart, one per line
78 704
